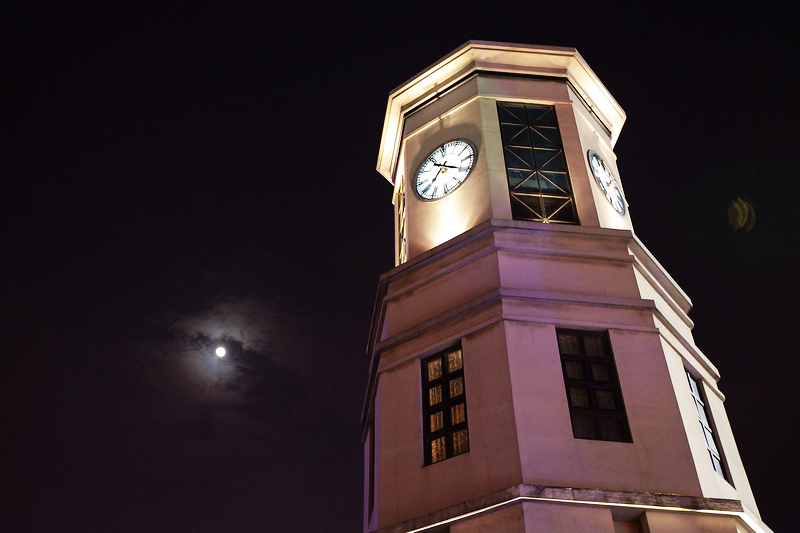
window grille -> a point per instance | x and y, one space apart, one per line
444 406
595 401
705 423
538 179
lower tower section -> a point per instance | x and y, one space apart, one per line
521 382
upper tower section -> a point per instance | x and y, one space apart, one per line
503 131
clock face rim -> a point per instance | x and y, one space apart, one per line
607 192
468 173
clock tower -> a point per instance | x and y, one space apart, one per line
532 364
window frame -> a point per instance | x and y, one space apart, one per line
541 134
445 382
401 223
591 366
371 473
707 426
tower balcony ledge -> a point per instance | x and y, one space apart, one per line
624 506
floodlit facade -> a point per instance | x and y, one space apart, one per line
532 364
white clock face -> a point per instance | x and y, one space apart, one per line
607 183
444 170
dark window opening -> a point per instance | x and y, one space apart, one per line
371 473
593 392
705 422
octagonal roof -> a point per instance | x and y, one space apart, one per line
521 59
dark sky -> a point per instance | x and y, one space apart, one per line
173 177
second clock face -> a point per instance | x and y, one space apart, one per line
606 181
444 170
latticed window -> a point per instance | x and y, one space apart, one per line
444 406
400 222
705 423
593 394
536 168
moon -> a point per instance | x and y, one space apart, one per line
220 352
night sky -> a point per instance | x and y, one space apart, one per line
176 177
